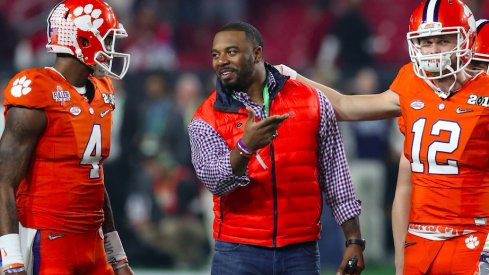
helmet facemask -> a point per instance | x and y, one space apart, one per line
110 62
438 65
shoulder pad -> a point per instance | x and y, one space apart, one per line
32 88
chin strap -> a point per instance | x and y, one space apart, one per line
440 92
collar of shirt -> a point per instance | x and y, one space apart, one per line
226 102
246 101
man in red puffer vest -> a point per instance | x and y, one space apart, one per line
268 147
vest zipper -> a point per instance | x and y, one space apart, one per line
221 219
274 190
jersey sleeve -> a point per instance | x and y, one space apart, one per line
402 125
30 88
402 79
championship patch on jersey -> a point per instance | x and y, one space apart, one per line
61 96
478 100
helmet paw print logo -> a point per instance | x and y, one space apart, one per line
84 17
21 87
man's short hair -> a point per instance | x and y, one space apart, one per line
252 34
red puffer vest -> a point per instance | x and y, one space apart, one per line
282 204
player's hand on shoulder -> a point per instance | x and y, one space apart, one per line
285 70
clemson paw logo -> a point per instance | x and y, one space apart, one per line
86 17
21 86
471 242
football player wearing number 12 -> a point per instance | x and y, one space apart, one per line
55 212
443 184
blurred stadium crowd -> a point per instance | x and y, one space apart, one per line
162 212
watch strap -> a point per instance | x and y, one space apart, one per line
360 242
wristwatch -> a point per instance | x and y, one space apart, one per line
360 242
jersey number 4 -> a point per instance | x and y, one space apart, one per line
450 167
93 152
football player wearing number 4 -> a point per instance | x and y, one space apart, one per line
443 184
56 215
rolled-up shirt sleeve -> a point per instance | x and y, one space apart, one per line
211 159
334 174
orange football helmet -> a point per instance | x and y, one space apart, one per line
88 29
441 17
481 49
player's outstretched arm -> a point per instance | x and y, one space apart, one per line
400 211
116 255
353 107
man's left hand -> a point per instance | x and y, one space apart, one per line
352 251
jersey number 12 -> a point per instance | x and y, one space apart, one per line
450 167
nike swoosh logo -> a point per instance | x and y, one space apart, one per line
462 111
54 237
102 114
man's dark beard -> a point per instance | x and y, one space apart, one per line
238 86
243 81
